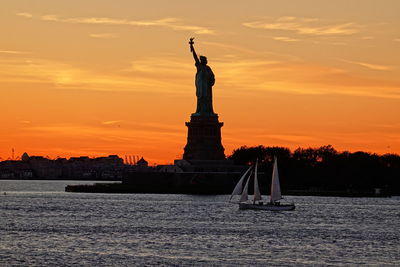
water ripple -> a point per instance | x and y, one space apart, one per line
54 228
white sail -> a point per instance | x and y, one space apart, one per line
275 186
239 186
245 192
257 194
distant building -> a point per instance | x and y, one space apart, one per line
142 162
75 168
25 157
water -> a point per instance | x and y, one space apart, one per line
40 225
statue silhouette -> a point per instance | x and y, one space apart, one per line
205 79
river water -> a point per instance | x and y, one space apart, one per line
40 225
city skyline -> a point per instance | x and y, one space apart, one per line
99 78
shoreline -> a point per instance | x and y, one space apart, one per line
112 188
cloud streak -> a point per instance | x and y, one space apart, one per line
305 26
24 14
284 39
369 65
103 35
155 75
110 122
170 23
301 78
241 76
12 52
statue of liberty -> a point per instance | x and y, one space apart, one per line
204 81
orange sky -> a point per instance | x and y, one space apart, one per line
116 77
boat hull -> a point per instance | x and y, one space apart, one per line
281 207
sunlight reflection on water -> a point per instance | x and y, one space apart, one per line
55 228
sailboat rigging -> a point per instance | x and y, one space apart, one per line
257 203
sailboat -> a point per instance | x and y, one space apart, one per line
257 202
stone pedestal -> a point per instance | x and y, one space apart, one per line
204 138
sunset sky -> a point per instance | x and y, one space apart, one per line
101 77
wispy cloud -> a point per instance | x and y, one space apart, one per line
284 39
295 77
103 35
12 52
292 18
110 122
369 65
305 26
289 138
236 76
94 129
24 14
152 74
171 23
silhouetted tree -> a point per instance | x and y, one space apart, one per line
248 155
326 168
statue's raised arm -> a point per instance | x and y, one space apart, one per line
196 59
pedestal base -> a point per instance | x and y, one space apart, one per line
204 138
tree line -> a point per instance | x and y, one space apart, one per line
325 168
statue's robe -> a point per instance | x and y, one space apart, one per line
205 79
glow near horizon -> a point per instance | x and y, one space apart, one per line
119 79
